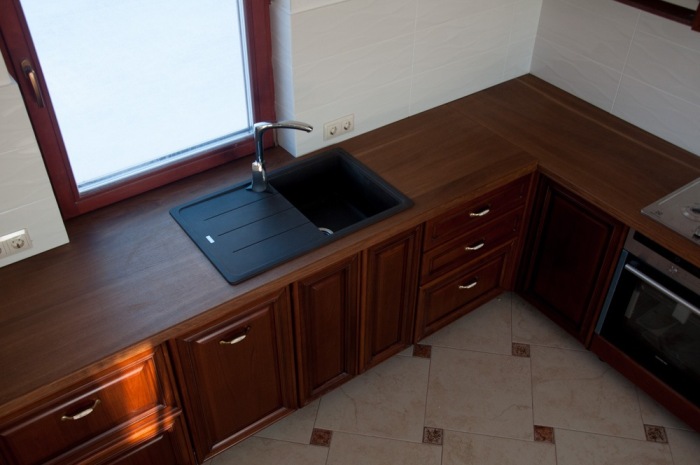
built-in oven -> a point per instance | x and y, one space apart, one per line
652 314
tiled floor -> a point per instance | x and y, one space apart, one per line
502 385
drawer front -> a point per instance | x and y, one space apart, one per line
446 299
96 408
471 246
476 213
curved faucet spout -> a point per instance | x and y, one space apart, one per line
259 183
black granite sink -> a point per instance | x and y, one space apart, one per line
309 204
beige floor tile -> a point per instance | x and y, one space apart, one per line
262 451
296 427
576 448
481 393
685 446
530 326
386 401
574 390
471 449
655 414
486 329
350 449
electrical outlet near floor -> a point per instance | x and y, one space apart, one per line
338 127
15 242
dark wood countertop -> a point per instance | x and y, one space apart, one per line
130 278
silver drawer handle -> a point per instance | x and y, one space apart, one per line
237 338
477 246
470 285
82 414
483 212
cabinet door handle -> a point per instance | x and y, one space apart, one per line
471 285
238 337
477 246
31 75
483 212
82 413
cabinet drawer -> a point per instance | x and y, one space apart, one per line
95 408
447 299
471 246
476 213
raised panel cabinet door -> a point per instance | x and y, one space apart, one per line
326 324
237 376
389 297
572 255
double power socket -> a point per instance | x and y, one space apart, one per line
14 243
338 127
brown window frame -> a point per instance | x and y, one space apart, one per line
16 46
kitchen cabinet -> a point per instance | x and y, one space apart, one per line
237 375
326 317
470 254
129 410
389 297
571 252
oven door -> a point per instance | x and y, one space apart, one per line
656 322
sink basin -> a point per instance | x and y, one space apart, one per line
309 204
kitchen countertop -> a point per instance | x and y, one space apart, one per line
130 278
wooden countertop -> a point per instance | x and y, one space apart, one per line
130 278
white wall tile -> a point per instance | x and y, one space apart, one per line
587 31
23 178
574 73
670 30
354 72
323 33
431 13
5 78
665 65
660 113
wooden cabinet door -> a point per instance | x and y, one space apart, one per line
389 297
570 258
237 376
326 325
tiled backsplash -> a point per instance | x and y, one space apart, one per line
384 60
637 66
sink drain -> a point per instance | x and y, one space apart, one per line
326 231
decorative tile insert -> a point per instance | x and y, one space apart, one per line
321 437
656 433
422 351
544 434
432 436
521 350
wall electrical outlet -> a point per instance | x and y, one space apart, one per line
338 127
15 242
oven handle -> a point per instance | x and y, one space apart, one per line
662 289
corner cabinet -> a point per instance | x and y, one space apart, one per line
237 375
570 257
326 315
127 414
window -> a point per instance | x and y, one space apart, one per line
126 96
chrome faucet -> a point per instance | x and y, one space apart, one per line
259 183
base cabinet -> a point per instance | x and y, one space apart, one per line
104 419
389 297
569 258
238 375
326 315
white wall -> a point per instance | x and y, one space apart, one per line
384 60
637 66
26 198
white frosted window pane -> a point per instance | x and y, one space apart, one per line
140 82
